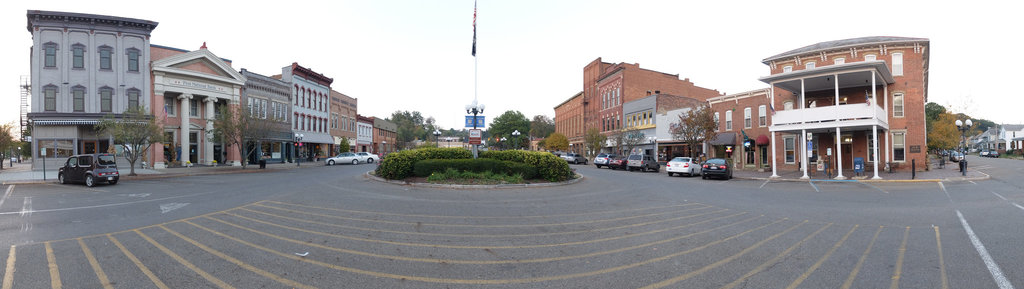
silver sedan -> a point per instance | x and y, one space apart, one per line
342 158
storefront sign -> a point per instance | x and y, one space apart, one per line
196 85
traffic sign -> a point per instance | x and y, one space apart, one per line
475 136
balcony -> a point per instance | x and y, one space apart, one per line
844 116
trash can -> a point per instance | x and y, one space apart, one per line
263 164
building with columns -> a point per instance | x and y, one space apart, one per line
311 111
189 88
83 67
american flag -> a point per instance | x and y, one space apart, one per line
474 28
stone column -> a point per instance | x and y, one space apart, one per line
803 154
775 171
839 154
183 140
156 151
208 143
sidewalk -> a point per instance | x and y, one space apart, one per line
23 173
950 173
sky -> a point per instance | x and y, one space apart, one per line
415 55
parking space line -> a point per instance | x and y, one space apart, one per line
773 260
814 186
246 266
138 264
820 261
476 217
51 261
762 185
899 261
942 261
9 272
874 187
864 256
484 236
943 187
7 194
104 281
998 195
690 274
993 268
184 262
1018 206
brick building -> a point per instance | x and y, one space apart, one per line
856 98
343 121
569 121
743 129
385 136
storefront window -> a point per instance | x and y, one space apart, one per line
60 148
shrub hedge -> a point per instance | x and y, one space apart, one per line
549 166
425 168
399 165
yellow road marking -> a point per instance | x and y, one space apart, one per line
856 268
689 275
822 260
477 281
184 262
484 236
9 272
771 261
477 217
439 245
477 226
486 262
95 266
942 262
52 264
899 261
251 268
145 270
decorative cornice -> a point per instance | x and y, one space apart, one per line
65 19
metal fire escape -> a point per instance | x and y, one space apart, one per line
26 94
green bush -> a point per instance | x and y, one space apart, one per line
425 168
549 166
399 165
451 174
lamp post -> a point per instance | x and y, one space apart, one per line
474 109
298 146
384 148
515 138
963 127
437 136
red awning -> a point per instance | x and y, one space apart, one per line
762 140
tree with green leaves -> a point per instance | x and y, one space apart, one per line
556 142
541 126
594 141
410 127
235 126
944 133
696 126
344 145
7 142
135 131
508 122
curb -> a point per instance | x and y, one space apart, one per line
150 176
578 179
956 179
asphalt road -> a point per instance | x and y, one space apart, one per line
329 227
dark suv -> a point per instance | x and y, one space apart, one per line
90 168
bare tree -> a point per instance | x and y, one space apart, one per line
135 130
695 127
594 141
237 127
631 138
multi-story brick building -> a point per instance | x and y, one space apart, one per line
856 98
269 99
343 121
311 92
385 136
569 121
641 117
743 120
84 67
189 90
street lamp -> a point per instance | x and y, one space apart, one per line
298 145
515 137
384 148
963 127
437 135
474 109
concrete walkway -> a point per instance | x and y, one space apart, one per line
950 173
23 174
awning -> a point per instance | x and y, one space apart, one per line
762 140
64 122
724 139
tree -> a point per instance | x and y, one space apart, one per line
944 133
695 127
556 142
594 141
410 127
932 111
541 126
631 138
506 123
542 144
135 130
7 142
235 126
344 144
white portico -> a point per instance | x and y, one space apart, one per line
188 90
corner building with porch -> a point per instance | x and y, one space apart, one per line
838 101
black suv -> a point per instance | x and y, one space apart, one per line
90 168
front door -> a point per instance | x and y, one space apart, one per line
193 148
847 156
88 147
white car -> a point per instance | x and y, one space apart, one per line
342 158
682 165
367 157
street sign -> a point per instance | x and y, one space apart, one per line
475 136
43 152
470 121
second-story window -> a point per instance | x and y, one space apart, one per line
717 123
133 98
728 120
809 65
78 96
787 68
839 60
787 105
133 60
746 118
193 108
105 61
762 117
78 56
106 99
897 105
897 64
869 57
50 98
169 105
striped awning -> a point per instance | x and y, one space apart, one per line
65 122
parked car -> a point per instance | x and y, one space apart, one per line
574 158
603 158
617 163
343 158
366 157
642 162
955 156
717 167
993 154
984 153
89 168
682 165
